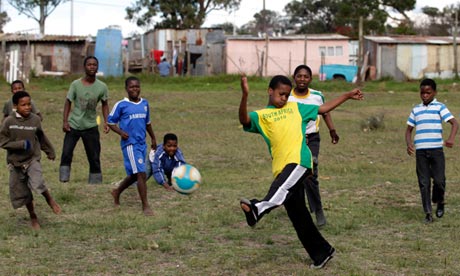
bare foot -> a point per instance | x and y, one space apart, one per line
116 197
56 208
147 211
35 224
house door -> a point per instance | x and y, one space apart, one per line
12 65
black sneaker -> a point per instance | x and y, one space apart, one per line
248 210
440 210
321 264
428 218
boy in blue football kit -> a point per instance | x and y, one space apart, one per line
282 124
168 156
427 119
130 118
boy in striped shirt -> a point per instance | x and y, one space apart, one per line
427 145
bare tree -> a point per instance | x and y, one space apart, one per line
28 7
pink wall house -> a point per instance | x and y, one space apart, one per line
247 54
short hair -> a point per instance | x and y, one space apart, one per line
90 57
169 137
429 82
132 78
17 81
279 79
19 95
300 67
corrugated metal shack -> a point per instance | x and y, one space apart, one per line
410 57
201 49
25 54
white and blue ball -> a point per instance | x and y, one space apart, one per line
186 179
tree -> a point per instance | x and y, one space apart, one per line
180 14
326 16
227 27
27 7
3 20
440 22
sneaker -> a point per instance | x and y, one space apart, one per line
428 218
440 210
248 210
321 264
320 218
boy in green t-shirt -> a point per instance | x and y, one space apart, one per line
283 124
81 121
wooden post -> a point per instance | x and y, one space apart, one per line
455 46
360 49
305 50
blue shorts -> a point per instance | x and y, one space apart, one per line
134 158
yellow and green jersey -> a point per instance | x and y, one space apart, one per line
284 132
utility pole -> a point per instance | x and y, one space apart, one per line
305 49
266 40
455 33
71 17
360 50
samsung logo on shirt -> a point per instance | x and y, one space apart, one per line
138 116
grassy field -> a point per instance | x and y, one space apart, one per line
368 185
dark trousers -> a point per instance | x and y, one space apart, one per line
430 163
311 183
91 143
288 189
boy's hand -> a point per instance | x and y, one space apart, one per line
410 149
27 145
167 187
66 127
106 127
124 135
449 143
244 85
335 138
356 94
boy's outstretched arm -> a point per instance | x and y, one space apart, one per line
410 145
243 111
451 140
153 140
354 94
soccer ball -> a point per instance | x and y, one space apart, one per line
186 179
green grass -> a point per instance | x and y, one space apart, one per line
368 186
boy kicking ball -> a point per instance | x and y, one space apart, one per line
130 118
23 138
283 124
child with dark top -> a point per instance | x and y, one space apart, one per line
130 118
8 107
283 124
21 134
168 156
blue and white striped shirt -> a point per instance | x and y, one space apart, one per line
427 120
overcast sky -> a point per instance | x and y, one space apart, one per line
92 15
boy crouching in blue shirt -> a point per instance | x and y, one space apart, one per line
168 156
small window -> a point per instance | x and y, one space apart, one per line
322 51
338 51
330 51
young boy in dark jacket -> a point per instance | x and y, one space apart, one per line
22 136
